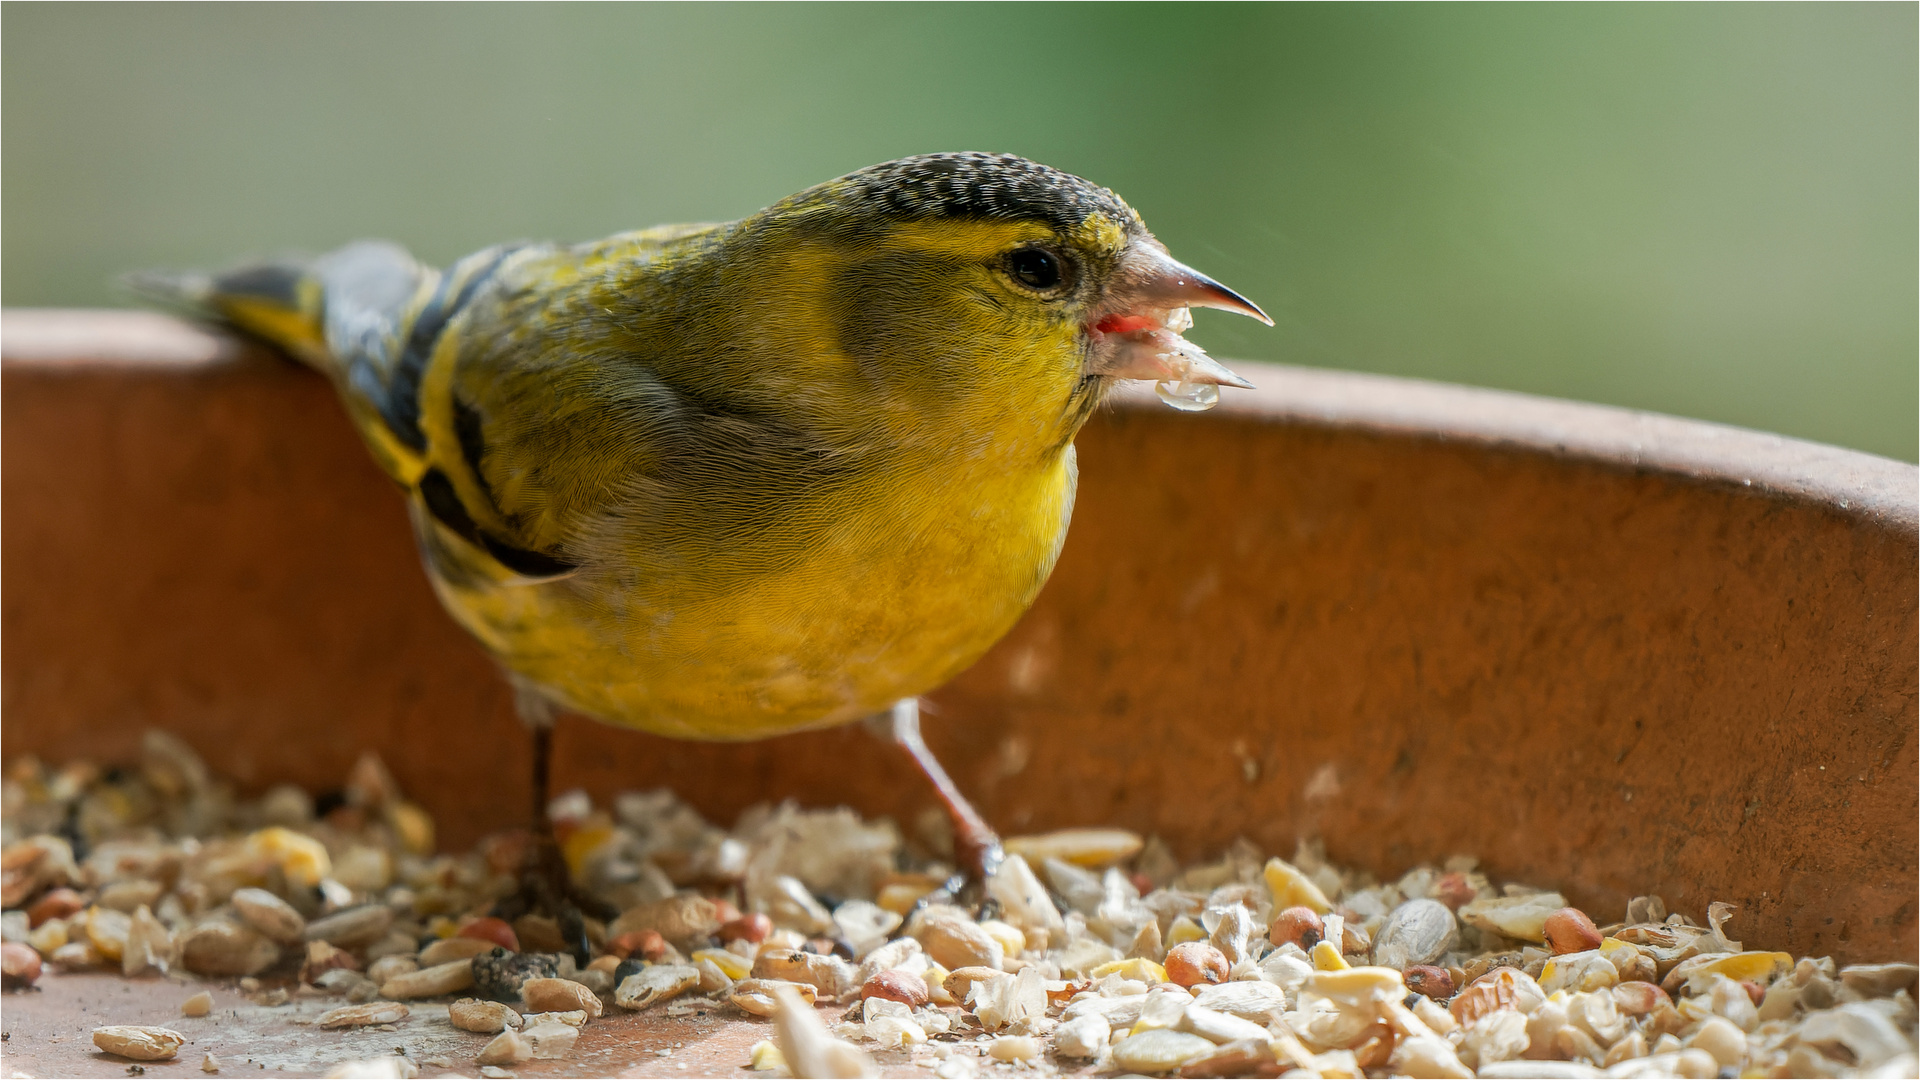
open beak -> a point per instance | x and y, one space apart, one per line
1137 335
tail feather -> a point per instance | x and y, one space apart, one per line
279 302
353 315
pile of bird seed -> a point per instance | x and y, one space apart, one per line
1095 952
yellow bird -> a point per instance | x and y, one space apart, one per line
729 481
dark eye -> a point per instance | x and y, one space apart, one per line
1037 268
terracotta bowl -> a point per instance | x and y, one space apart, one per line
1605 651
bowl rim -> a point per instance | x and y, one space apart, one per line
1849 482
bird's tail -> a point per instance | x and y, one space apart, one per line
280 302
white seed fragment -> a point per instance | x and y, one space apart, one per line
806 1046
1879 980
1024 901
352 927
1255 999
864 925
1014 1048
955 941
1495 1037
1217 1027
1084 1036
1427 1057
1521 917
1723 1039
764 1056
507 1048
1161 1050
1007 999
1864 1033
1233 933
1692 1064
139 1042
220 947
390 1067
373 1012
551 1041
388 967
1598 1016
270 915
355 986
1417 932
1579 972
149 946
210 1064
1247 1057
199 1004
890 1023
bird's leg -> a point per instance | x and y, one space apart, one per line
546 885
976 846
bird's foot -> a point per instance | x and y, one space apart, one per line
547 888
976 847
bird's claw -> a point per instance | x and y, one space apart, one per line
547 888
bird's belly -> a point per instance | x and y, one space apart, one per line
893 604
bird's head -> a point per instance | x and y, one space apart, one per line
988 279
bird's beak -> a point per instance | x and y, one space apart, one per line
1137 334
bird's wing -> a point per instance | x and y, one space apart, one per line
541 416
382 318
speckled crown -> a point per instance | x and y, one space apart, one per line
987 186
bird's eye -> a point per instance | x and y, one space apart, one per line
1038 269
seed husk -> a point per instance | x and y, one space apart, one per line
139 1042
373 1012
220 947
448 978
486 1017
559 995
270 915
351 928
755 996
1417 932
1159 1051
655 985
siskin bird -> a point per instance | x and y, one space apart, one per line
733 480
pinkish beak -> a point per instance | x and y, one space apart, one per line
1138 335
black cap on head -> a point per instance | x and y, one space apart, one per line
977 185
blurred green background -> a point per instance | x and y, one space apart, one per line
1705 210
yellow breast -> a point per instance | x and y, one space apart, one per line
913 582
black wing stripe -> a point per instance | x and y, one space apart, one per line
468 430
401 403
445 505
